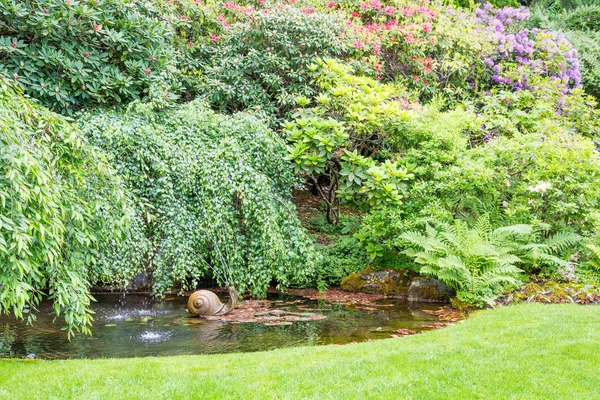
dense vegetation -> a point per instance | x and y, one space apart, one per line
458 141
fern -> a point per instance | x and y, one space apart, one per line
480 261
593 258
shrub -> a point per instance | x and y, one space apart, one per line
340 259
213 197
549 178
59 204
75 53
340 136
522 52
430 49
261 63
583 18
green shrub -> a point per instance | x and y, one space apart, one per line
59 204
340 259
495 3
341 135
262 62
583 18
75 53
213 197
534 176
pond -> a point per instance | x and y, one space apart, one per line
138 325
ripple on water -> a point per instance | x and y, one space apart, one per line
155 337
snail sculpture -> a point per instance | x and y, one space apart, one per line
205 302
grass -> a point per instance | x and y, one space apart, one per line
531 351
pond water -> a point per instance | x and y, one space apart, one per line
138 325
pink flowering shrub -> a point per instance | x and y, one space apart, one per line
261 61
74 54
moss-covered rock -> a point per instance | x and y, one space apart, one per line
398 282
428 289
386 281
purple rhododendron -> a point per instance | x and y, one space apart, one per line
536 51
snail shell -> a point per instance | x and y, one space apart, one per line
205 302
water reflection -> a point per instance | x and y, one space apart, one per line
135 325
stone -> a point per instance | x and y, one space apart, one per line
387 281
428 289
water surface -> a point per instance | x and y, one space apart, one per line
138 325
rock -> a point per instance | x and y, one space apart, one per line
387 281
427 289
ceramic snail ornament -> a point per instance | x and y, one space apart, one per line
205 302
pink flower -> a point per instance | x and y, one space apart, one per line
96 27
409 12
214 38
376 4
364 6
432 40
389 10
358 44
426 27
376 49
355 14
331 4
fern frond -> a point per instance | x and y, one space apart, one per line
561 241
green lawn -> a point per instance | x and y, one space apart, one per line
529 351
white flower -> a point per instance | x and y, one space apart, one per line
540 187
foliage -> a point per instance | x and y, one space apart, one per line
571 20
59 204
548 178
478 261
341 137
261 63
74 53
213 197
495 3
555 292
583 18
544 108
340 259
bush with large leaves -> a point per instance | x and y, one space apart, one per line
213 197
74 53
262 62
59 203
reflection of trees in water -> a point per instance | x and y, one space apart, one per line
7 338
14 340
